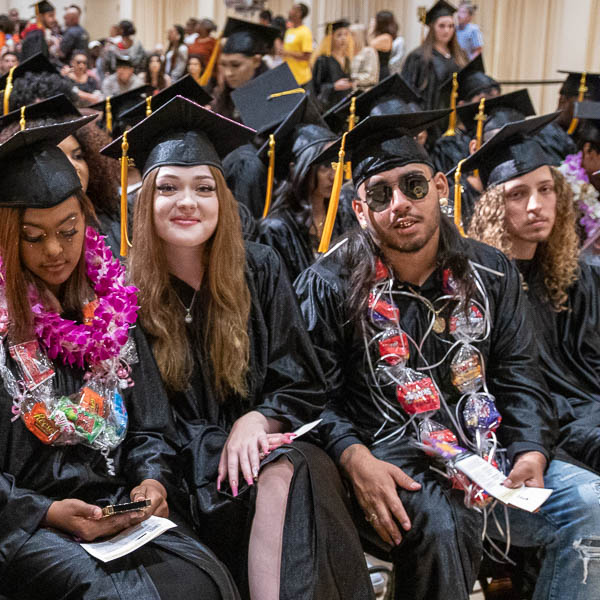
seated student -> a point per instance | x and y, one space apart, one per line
69 448
530 216
238 370
569 94
406 317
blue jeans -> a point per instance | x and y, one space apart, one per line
568 527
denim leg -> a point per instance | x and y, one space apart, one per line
568 527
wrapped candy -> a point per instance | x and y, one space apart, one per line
383 313
417 393
88 425
393 347
480 413
41 424
381 271
33 364
466 370
467 326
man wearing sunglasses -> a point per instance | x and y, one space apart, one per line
390 308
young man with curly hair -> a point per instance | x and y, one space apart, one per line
531 217
389 308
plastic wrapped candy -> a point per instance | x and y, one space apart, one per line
480 412
383 313
466 370
88 426
467 328
441 441
33 364
40 424
381 271
393 347
417 393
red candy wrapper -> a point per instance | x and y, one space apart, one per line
393 347
381 271
35 367
417 394
382 310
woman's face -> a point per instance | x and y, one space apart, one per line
52 241
194 67
172 35
238 69
79 63
443 29
154 64
70 146
324 181
186 206
340 39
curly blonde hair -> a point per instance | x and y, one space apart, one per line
558 255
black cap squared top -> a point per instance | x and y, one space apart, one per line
335 116
498 111
56 107
261 103
472 81
245 37
38 63
186 87
35 173
181 133
512 152
570 86
588 113
333 26
439 9
42 7
384 142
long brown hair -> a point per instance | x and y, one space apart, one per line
558 255
226 301
76 291
457 53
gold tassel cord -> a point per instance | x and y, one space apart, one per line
334 199
212 61
480 118
422 16
458 199
351 124
270 175
582 90
22 122
148 106
124 168
108 114
453 97
329 38
287 93
8 90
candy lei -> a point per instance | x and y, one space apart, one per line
586 195
96 415
418 397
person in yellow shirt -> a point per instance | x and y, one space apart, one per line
297 44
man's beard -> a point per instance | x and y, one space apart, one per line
388 239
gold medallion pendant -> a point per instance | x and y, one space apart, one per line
439 325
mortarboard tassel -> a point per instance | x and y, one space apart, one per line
8 90
422 16
351 124
22 122
108 114
148 106
458 199
480 118
270 175
212 61
329 38
124 169
287 93
38 16
334 199
453 97
582 90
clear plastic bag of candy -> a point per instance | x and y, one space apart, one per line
439 440
467 325
480 413
417 393
465 369
393 347
382 313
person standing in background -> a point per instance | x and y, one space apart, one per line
364 70
204 43
177 53
468 34
383 39
297 44
75 37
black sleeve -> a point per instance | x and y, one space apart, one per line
322 81
246 177
412 70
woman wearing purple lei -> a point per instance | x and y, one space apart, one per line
76 434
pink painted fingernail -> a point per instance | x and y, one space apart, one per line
234 488
397 541
219 484
249 481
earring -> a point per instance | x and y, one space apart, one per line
443 202
363 226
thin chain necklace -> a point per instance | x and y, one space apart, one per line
188 309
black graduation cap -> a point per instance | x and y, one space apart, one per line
245 37
384 142
42 7
472 81
335 25
499 110
511 152
38 63
439 9
267 99
35 173
181 133
122 60
588 113
334 116
118 105
58 106
186 87
570 86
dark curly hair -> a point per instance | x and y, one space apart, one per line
33 87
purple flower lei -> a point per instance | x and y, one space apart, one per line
116 310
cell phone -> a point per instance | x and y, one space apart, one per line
117 509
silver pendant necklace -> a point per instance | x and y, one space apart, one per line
188 309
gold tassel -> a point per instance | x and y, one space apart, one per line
480 118
38 16
212 61
287 93
22 122
270 175
453 97
329 37
582 90
148 106
458 199
334 198
351 124
108 113
124 169
8 89
422 16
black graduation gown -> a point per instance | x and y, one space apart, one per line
449 150
439 557
34 475
569 343
557 143
285 383
326 71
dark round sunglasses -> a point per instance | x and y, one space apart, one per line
414 186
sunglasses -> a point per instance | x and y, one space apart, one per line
414 186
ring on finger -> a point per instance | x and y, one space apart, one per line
371 517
